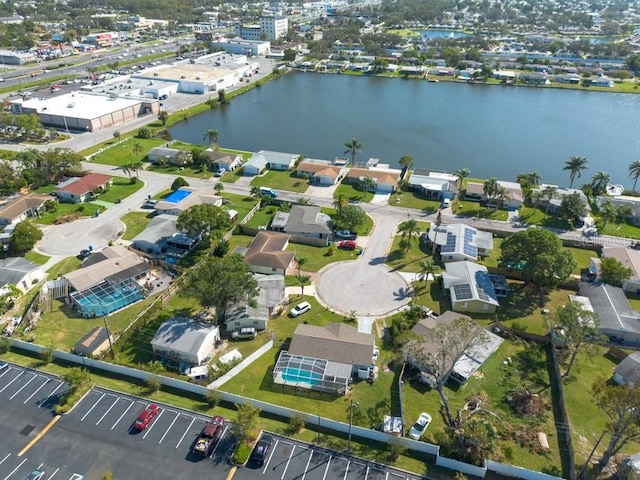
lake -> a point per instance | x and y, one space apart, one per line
492 130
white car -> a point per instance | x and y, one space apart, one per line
418 428
300 309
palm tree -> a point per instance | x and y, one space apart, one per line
163 116
490 189
406 162
634 172
409 231
211 136
461 174
255 192
117 135
302 281
368 183
353 147
427 268
136 149
533 179
575 166
548 193
599 183
301 261
340 200
608 212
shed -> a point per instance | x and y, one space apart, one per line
94 343
185 341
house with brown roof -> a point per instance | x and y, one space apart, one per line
629 257
319 172
267 253
513 196
386 178
22 207
335 342
218 160
94 343
83 189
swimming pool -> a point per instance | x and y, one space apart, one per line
178 196
298 375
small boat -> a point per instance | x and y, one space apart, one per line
433 80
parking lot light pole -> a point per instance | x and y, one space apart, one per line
353 404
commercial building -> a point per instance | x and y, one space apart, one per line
241 46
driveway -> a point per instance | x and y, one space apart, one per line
366 286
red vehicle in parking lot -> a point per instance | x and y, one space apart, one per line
348 245
145 417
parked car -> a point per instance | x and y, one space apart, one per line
268 192
421 424
348 245
446 203
262 449
56 88
247 333
35 475
345 235
300 309
150 204
145 417
221 171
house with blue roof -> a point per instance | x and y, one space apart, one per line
458 242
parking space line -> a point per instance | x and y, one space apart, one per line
22 388
167 431
306 468
6 371
7 385
367 474
108 410
49 396
288 461
346 471
123 414
270 456
53 474
2 461
92 407
219 441
153 424
327 468
15 470
185 432
39 388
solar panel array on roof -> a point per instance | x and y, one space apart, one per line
463 291
468 247
484 287
450 246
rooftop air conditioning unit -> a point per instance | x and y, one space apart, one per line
71 105
182 76
197 77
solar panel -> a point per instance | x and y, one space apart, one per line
462 291
468 247
450 246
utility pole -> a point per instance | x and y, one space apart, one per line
353 404
106 327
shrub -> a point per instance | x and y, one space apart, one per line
144 132
395 449
5 346
242 452
153 384
212 398
179 182
46 355
296 422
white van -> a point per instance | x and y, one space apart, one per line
446 203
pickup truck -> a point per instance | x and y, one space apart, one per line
210 434
345 235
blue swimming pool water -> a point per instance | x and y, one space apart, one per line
295 375
98 305
178 196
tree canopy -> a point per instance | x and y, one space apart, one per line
613 271
579 328
538 254
208 221
25 236
349 217
220 282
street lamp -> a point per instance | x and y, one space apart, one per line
353 404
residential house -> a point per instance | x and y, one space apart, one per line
319 172
217 160
470 287
172 156
271 297
386 179
535 78
161 235
457 242
183 342
618 320
107 281
567 78
513 196
624 201
628 370
267 253
22 207
265 159
186 197
437 185
303 221
472 359
630 258
82 189
94 343
20 272
601 82
553 205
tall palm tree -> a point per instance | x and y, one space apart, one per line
427 268
406 162
575 166
548 193
341 200
302 281
211 136
136 149
461 174
491 189
354 146
533 178
368 183
599 182
634 172
608 212
409 231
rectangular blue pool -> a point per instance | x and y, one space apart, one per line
178 196
295 375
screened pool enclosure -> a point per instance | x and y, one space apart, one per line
312 373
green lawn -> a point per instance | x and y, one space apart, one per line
121 189
352 192
415 200
474 209
493 260
536 216
582 257
409 261
621 229
123 153
67 265
135 223
263 217
186 171
240 203
364 229
286 180
72 209
36 257
318 257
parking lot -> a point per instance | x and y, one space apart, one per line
289 459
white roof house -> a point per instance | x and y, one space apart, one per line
435 184
458 241
185 341
271 160
470 287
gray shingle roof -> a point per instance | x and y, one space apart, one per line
308 219
182 334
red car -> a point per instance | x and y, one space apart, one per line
348 245
145 417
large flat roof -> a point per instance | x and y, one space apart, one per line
80 104
186 71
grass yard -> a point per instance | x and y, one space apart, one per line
67 265
263 217
364 229
582 257
318 257
121 154
415 200
409 261
474 209
135 223
619 230
36 257
240 203
186 171
494 259
351 192
286 180
535 216
121 188
63 209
